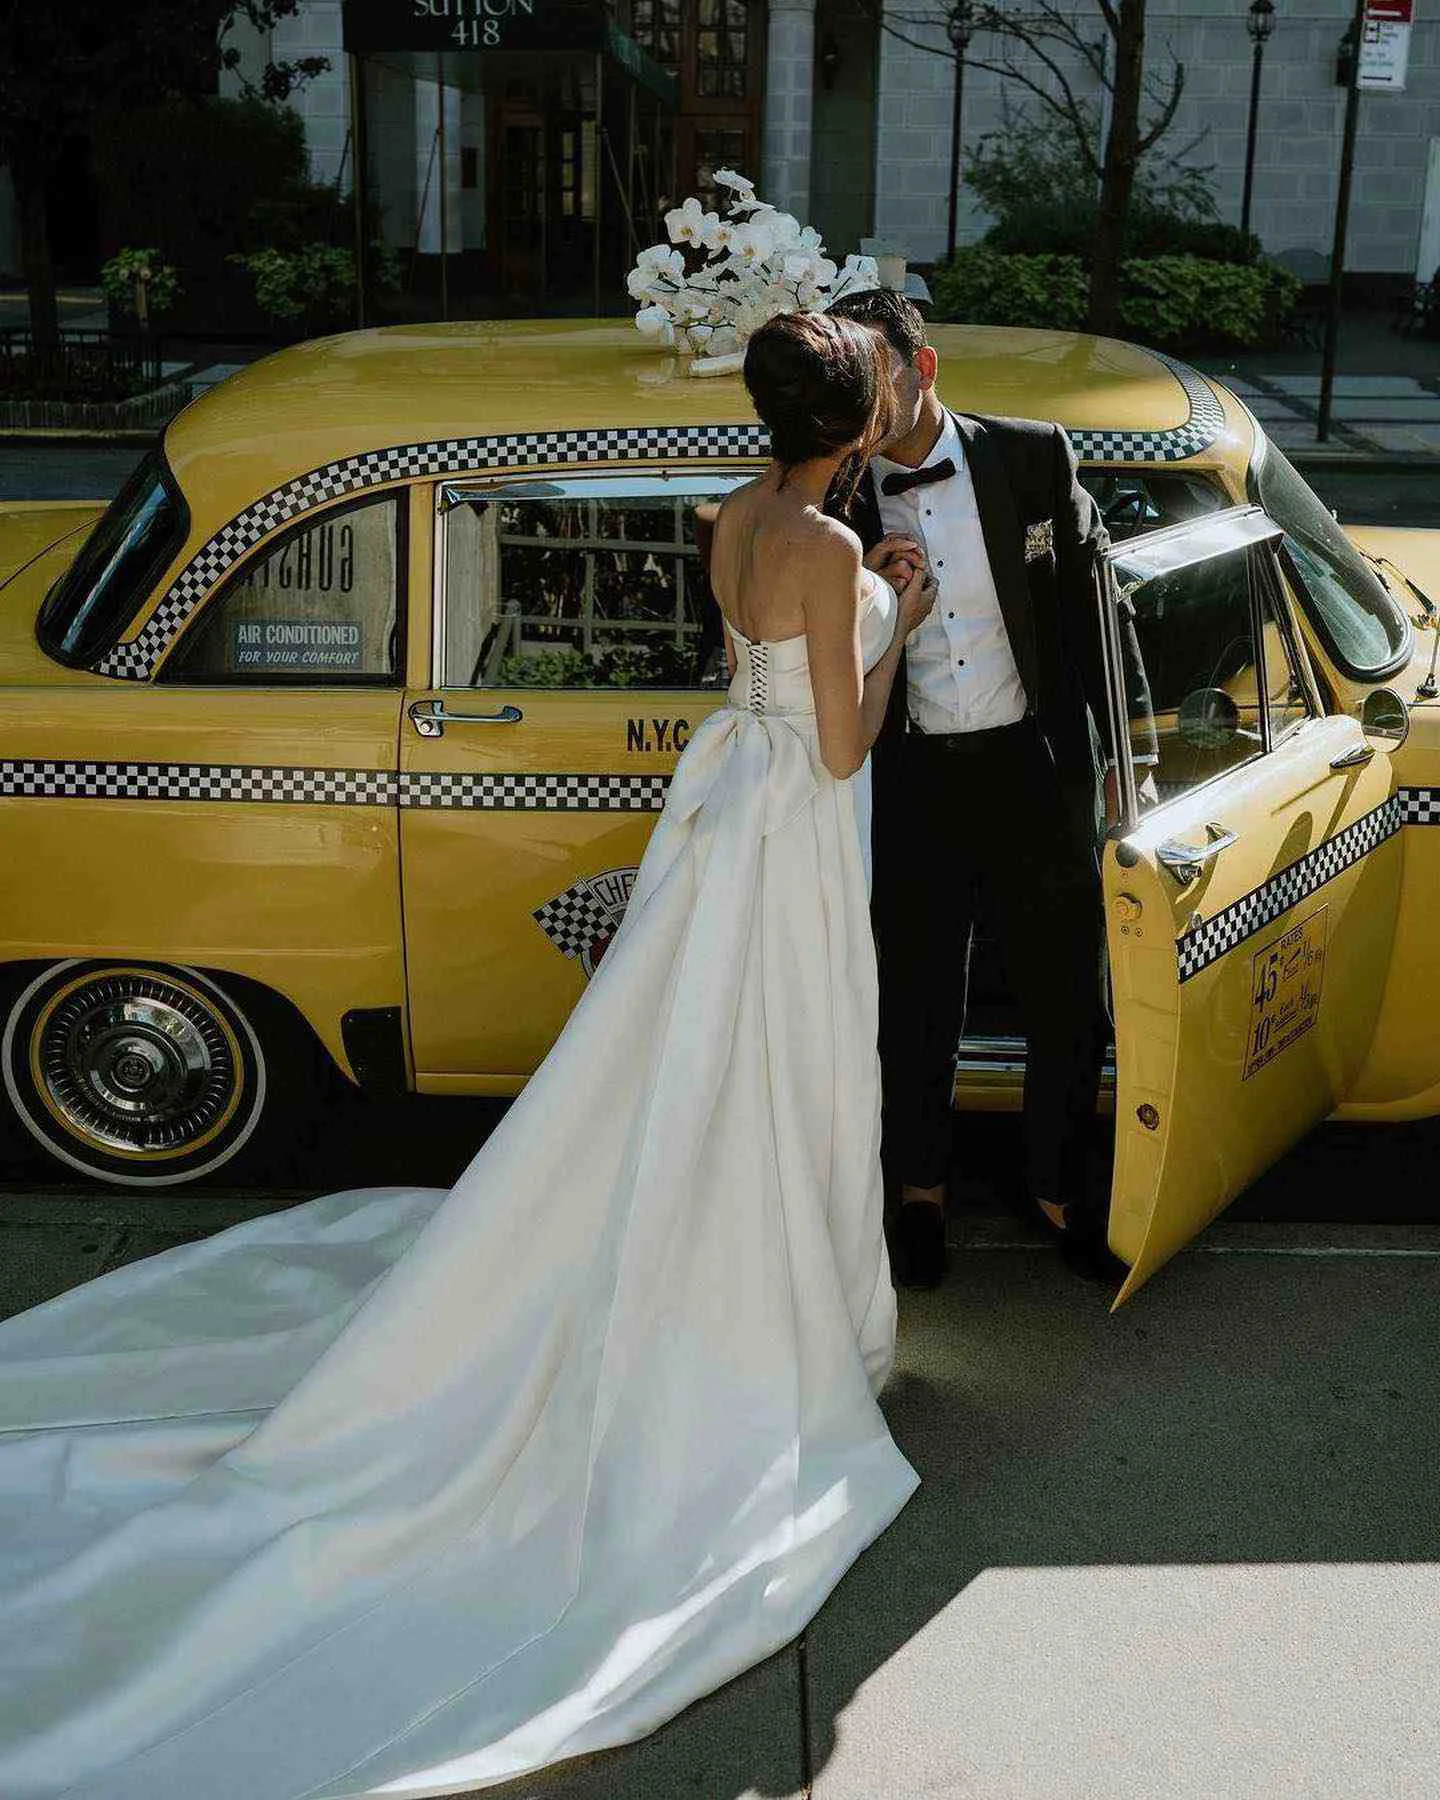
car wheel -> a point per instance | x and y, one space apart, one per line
140 1075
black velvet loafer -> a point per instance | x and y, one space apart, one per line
920 1244
1080 1236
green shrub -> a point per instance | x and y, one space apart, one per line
1044 201
1170 301
985 288
118 279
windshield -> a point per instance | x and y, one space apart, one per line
1347 602
98 595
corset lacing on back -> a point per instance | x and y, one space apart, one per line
757 693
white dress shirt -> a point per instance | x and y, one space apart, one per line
961 673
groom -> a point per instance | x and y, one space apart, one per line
991 787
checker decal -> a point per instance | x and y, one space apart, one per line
536 793
196 781
582 922
330 787
137 659
1207 943
1419 806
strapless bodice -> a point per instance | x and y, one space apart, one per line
773 676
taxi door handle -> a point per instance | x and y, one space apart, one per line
430 718
1185 861
1355 757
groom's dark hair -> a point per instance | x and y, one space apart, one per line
885 311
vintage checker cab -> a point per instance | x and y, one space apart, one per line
342 728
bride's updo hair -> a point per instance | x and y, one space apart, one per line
821 384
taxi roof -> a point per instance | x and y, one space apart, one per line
335 397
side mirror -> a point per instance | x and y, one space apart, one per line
1385 716
1207 719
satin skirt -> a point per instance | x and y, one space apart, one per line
409 1492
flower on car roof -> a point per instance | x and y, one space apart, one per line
720 278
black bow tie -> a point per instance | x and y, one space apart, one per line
903 480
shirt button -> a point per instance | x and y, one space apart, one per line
959 662
949 615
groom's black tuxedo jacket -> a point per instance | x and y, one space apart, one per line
1044 537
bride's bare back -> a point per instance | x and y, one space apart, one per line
771 557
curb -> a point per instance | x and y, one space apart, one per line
67 437
1376 460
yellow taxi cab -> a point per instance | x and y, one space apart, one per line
343 727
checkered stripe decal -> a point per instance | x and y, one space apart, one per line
331 787
196 781
536 793
574 920
136 660
442 456
1206 421
1419 806
1197 949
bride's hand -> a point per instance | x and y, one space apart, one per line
917 597
894 557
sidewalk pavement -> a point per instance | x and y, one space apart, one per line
1186 1551
1182 1552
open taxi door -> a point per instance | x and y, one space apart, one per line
1252 884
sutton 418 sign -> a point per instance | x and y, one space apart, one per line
373 26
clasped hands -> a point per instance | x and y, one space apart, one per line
900 560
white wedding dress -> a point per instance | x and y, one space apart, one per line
407 1492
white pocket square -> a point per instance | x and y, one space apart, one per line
1039 538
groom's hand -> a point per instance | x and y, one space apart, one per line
896 558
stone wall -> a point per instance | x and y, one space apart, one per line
1298 147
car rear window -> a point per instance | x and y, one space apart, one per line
89 607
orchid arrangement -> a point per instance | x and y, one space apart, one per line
720 278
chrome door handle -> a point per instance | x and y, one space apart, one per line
1185 861
1355 757
430 718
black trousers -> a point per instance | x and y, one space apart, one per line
977 829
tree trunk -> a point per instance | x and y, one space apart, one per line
1122 157
28 174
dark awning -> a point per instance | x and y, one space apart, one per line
400 30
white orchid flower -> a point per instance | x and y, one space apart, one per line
730 178
785 231
686 224
752 242
663 259
814 271
654 322
718 232
641 284
859 275
810 243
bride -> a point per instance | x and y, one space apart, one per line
407 1492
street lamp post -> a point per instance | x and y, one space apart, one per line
1342 224
1259 22
960 28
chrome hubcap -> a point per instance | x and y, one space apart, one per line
132 1062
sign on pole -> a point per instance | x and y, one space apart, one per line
1385 44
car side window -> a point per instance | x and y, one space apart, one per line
319 604
1219 664
591 583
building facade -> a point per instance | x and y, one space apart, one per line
841 109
